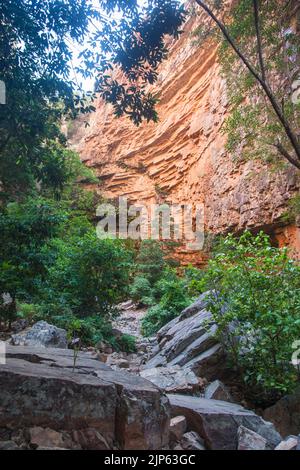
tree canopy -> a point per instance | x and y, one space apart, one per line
37 65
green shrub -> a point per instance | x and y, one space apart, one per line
155 318
255 297
87 274
127 343
29 312
150 261
173 295
54 266
141 291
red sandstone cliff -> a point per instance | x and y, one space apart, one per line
182 158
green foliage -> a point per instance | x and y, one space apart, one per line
141 291
293 212
127 343
24 229
255 297
29 312
150 261
253 128
171 291
90 274
36 66
37 43
54 265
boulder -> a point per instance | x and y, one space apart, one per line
250 440
172 379
197 306
90 438
177 428
217 422
41 334
46 437
291 443
192 441
189 341
217 391
285 414
106 408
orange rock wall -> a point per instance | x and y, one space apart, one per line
182 158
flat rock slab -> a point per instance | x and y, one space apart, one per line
39 388
172 379
217 422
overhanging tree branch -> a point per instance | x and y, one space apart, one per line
259 78
259 41
286 154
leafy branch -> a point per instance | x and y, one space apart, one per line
260 78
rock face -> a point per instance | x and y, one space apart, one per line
291 443
250 440
177 428
191 441
217 422
173 379
188 341
93 406
41 334
285 414
182 158
217 391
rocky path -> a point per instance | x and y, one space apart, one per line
129 323
182 366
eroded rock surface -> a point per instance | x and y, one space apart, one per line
285 414
173 379
188 341
182 158
41 334
217 422
38 388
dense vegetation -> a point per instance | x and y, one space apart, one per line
52 265
255 301
157 285
55 268
254 296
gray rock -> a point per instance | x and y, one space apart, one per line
177 428
217 391
172 379
201 344
47 438
39 388
41 334
197 306
156 361
8 445
290 443
189 340
210 363
217 422
192 441
250 440
285 414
